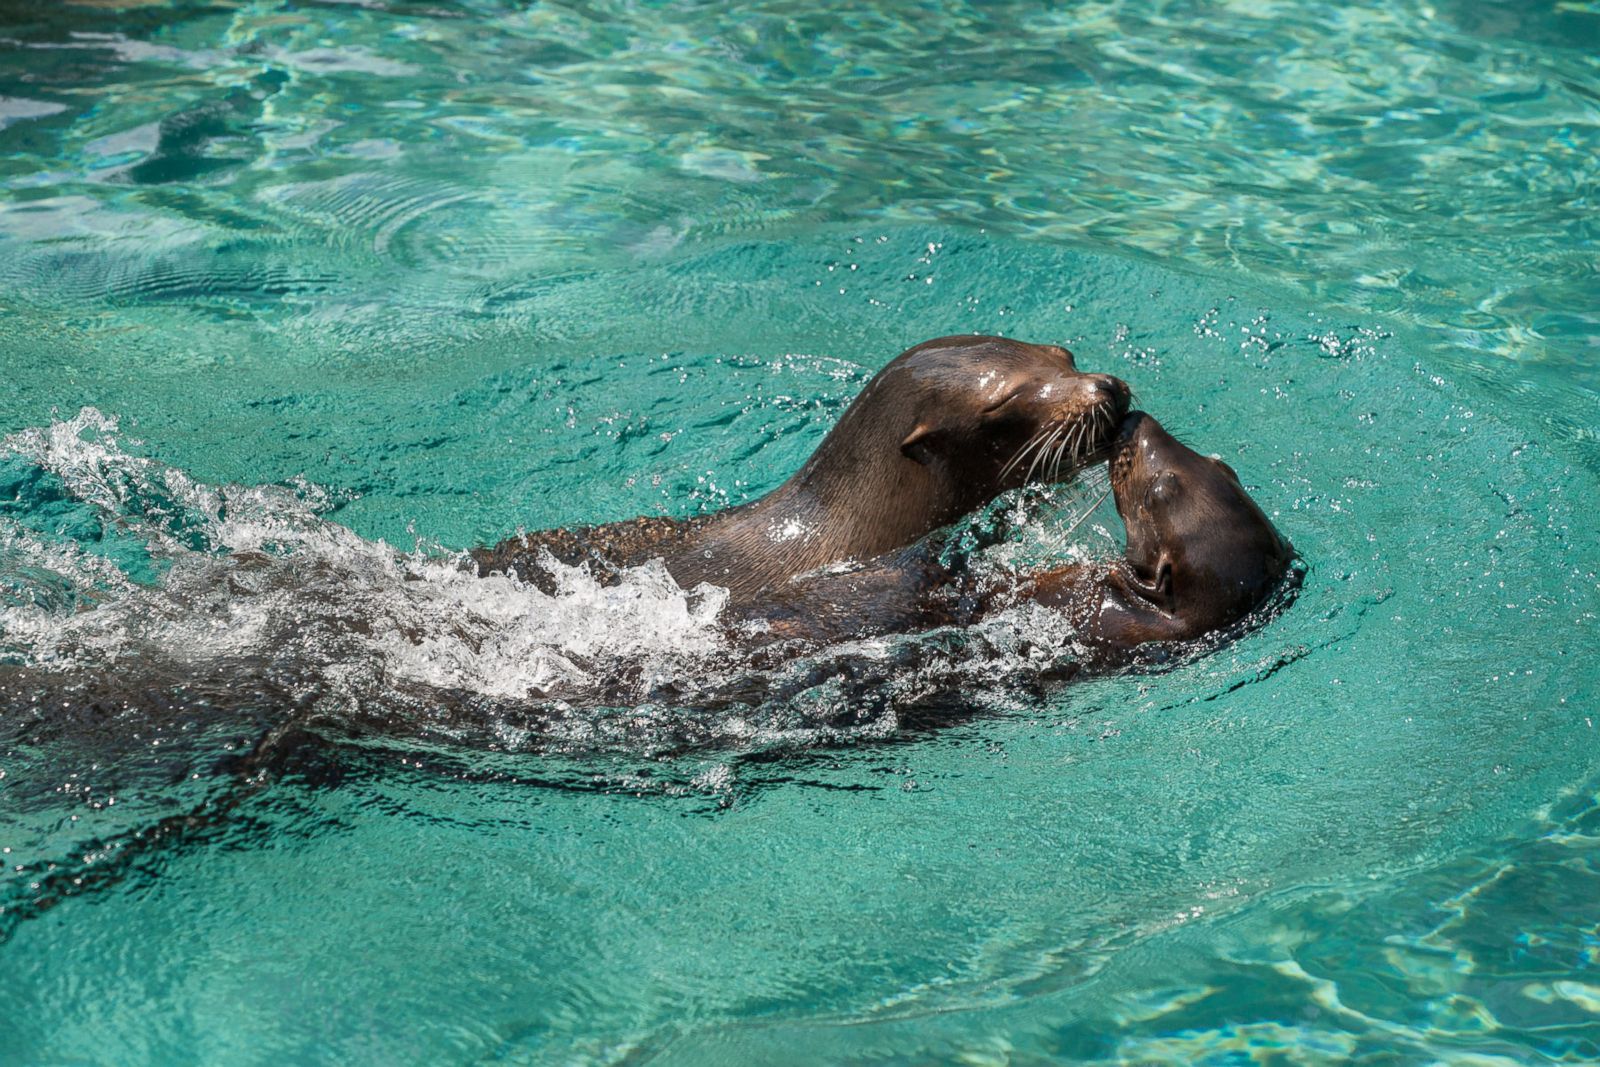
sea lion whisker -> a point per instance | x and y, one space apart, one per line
1027 446
1096 477
1105 410
1039 459
1021 453
1091 485
1081 519
1072 496
1066 448
1069 450
1039 440
1044 445
1061 449
1079 441
1027 475
1057 541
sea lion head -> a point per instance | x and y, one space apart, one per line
942 429
1200 553
994 412
955 421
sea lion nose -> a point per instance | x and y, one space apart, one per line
1112 389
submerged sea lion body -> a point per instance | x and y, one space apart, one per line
945 427
1201 556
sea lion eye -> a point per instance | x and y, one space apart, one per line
1002 402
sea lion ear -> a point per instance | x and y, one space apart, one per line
915 446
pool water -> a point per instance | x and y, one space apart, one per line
298 300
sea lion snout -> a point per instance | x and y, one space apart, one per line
1100 399
1102 392
1115 394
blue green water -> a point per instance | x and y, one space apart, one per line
337 279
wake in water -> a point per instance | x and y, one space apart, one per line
188 581
168 647
257 572
181 646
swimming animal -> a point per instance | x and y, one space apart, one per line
945 427
1201 555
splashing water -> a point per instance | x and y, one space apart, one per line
258 575
253 572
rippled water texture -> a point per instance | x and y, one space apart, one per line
299 300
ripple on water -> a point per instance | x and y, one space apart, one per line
471 268
1419 161
1336 742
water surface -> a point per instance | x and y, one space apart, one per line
341 281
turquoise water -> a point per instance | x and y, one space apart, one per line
324 281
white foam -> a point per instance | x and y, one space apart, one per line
270 572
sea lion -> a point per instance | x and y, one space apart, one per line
945 427
1200 557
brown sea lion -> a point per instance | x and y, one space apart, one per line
1200 557
945 427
